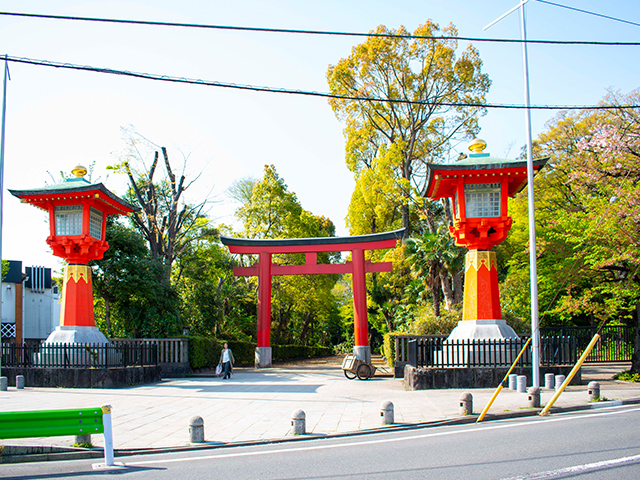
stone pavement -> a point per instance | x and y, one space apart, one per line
256 405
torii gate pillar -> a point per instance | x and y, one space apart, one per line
358 268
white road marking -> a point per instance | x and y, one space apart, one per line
578 469
384 440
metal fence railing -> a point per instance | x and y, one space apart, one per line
64 355
616 343
439 352
170 350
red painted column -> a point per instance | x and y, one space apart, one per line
264 300
77 297
359 280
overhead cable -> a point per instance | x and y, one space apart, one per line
213 83
310 32
590 13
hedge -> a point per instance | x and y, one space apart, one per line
204 352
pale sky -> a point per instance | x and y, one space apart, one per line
59 118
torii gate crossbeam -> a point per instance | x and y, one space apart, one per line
357 267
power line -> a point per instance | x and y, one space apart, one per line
213 83
309 32
590 13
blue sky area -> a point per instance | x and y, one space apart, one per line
59 118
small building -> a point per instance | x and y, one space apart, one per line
30 303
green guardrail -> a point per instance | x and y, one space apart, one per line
51 423
58 423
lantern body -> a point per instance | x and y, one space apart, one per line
77 212
478 188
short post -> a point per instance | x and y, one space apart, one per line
83 440
593 389
466 404
522 383
3 384
386 412
513 378
19 382
196 430
549 381
559 381
533 400
108 435
298 422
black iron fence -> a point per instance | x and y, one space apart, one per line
616 344
439 352
63 355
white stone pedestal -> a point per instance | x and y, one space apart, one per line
363 353
263 357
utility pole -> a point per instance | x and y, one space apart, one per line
533 270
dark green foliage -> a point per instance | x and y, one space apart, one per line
284 352
204 352
131 298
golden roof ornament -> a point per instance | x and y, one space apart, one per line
79 171
477 145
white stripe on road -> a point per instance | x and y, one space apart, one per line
384 440
578 469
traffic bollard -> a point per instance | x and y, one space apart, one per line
533 400
386 412
299 422
466 404
3 384
559 381
593 389
513 380
19 382
549 381
196 430
522 383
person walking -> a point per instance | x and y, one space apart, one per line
226 360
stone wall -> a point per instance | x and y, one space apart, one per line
481 377
83 377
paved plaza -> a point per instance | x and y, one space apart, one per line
256 405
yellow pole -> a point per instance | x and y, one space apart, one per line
574 370
501 386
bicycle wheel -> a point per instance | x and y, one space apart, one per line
349 374
364 372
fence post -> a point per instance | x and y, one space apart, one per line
412 353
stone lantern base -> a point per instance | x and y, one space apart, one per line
482 329
76 334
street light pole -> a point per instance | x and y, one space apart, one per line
535 330
2 139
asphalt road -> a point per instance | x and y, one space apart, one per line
595 444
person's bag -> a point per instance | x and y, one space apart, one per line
219 369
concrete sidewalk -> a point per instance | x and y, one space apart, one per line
257 404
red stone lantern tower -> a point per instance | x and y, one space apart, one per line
78 213
478 187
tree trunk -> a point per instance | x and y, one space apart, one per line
458 291
446 289
434 285
305 328
107 316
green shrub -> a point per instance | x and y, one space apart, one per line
286 352
204 352
627 376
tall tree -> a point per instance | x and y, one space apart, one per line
403 100
589 205
299 302
167 222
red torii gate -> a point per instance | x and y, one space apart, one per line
358 267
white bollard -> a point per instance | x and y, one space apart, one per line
299 422
513 379
559 381
196 430
3 384
108 435
386 412
549 381
522 383
19 382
